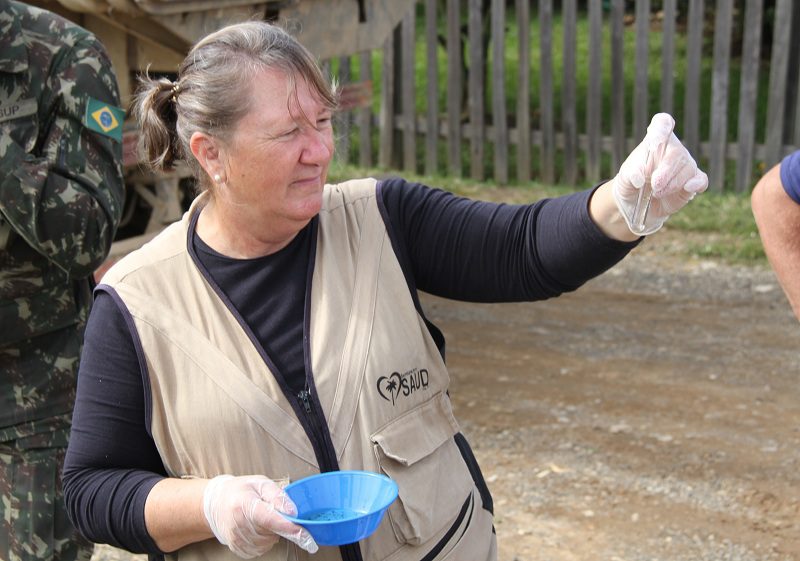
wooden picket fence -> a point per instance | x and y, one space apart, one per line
540 136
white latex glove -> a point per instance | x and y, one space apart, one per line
673 174
244 514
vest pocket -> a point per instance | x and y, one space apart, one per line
418 451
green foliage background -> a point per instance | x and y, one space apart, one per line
717 226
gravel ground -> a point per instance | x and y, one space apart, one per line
654 415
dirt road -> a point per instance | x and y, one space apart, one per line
654 415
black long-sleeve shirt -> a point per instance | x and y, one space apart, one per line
448 246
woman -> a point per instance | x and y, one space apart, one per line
270 330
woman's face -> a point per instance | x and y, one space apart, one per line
278 158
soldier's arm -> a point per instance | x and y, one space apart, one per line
64 197
778 220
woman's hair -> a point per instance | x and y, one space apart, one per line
211 93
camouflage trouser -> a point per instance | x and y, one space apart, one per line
33 520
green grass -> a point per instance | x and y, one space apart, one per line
726 227
716 226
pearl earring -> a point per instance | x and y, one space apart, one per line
217 178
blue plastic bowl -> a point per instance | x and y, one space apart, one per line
341 507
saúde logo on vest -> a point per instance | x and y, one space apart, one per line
397 385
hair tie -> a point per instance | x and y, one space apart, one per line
176 89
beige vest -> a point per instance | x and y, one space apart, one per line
217 408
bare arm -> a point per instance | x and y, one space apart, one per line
606 215
778 220
174 513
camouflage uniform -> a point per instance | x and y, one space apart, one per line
61 193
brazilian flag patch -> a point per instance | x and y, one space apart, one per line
104 118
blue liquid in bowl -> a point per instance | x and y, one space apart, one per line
331 514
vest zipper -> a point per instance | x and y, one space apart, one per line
304 396
326 462
349 552
315 425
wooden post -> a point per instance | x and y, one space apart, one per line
408 91
594 93
619 149
344 118
397 96
432 89
797 121
748 88
668 56
641 116
546 90
499 117
569 119
475 90
455 80
386 115
524 92
779 66
719 94
694 54
365 113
